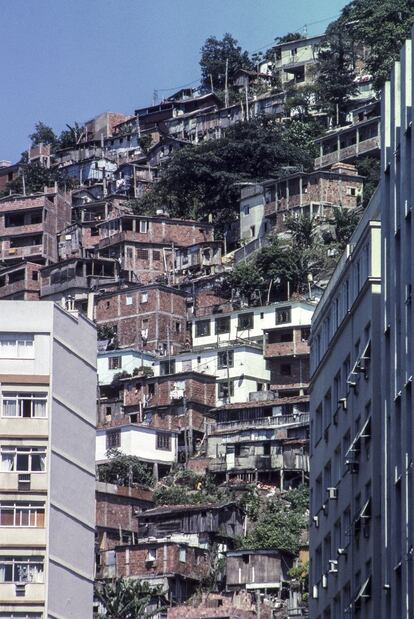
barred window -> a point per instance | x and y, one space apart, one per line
113 439
164 441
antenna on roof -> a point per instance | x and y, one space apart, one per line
305 30
155 97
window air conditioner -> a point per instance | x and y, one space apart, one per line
333 566
341 552
332 493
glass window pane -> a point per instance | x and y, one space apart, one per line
39 409
9 408
38 462
6 517
22 462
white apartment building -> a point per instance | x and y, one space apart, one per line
346 456
248 324
150 444
112 362
47 466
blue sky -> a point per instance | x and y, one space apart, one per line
67 60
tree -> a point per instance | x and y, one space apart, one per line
36 177
128 599
124 470
290 36
335 83
345 222
245 278
214 54
380 27
302 229
43 134
370 168
70 136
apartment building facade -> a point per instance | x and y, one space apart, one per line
397 344
346 428
48 389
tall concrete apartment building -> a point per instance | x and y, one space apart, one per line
345 533
47 468
362 461
397 353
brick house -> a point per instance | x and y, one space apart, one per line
152 317
29 225
179 568
20 281
116 523
286 350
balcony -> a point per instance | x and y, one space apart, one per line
34 593
11 253
288 460
295 419
348 153
15 427
32 537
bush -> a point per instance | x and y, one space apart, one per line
124 470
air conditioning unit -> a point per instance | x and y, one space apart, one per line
324 581
332 493
315 592
316 521
341 552
343 402
333 566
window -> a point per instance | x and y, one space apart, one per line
151 555
16 346
23 404
225 390
143 226
225 359
182 554
23 459
21 514
167 367
113 439
202 328
142 254
245 321
128 299
351 191
305 334
252 231
114 363
223 325
21 569
164 441
144 297
283 315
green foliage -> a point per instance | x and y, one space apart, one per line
300 572
280 522
186 487
124 470
36 177
298 498
145 143
116 379
345 222
277 527
144 370
290 36
106 332
70 136
124 598
43 134
201 181
246 278
335 83
369 167
250 502
214 54
302 230
382 27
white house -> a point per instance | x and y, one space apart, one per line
111 362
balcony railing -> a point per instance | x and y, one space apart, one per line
281 420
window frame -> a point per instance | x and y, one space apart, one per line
20 397
205 323
163 441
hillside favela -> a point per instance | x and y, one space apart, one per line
206 336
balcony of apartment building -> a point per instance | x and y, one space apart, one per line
20 282
22 523
22 247
286 342
349 143
123 229
81 274
289 458
22 221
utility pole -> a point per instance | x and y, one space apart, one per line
211 82
226 85
247 101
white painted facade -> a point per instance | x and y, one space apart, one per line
262 317
111 362
141 441
47 468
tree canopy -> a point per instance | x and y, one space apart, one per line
214 54
43 134
124 598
